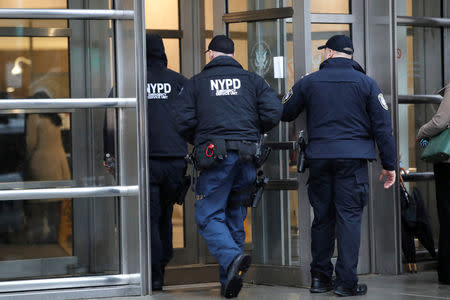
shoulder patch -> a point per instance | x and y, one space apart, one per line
382 101
287 96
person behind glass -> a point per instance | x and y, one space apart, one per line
47 161
222 110
437 124
346 113
167 150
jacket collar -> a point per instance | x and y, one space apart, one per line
340 62
222 61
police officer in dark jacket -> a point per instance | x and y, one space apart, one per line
222 111
167 150
346 114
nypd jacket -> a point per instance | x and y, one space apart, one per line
346 113
163 85
226 102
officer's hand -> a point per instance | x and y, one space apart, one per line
108 168
390 178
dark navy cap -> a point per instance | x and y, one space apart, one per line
221 43
340 43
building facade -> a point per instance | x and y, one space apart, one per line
72 76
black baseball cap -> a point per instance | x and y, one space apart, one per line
340 43
221 43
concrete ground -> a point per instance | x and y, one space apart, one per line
411 286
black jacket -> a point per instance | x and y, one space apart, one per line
163 85
226 102
346 113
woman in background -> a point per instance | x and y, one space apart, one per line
47 161
440 122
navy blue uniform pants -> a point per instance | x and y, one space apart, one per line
442 181
338 192
218 213
166 175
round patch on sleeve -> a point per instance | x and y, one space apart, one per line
287 96
382 101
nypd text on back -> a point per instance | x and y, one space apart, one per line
225 87
158 90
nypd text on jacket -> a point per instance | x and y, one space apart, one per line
226 102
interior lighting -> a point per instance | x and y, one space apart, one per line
17 69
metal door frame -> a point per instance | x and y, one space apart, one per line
135 278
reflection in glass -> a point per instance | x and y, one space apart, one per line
420 61
320 33
330 7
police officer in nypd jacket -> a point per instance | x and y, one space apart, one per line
222 111
167 150
346 115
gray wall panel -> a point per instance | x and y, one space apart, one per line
383 205
126 87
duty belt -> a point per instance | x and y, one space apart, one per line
233 145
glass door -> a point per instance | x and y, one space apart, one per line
264 45
48 150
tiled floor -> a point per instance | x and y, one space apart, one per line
412 286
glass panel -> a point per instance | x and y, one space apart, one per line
239 5
161 14
294 228
178 228
420 61
172 47
54 237
33 23
320 33
33 4
330 7
40 150
419 8
260 46
30 65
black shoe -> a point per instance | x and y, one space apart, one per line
319 285
236 271
360 290
157 285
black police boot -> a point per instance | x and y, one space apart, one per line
236 270
320 285
360 290
157 285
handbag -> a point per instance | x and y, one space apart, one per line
438 148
